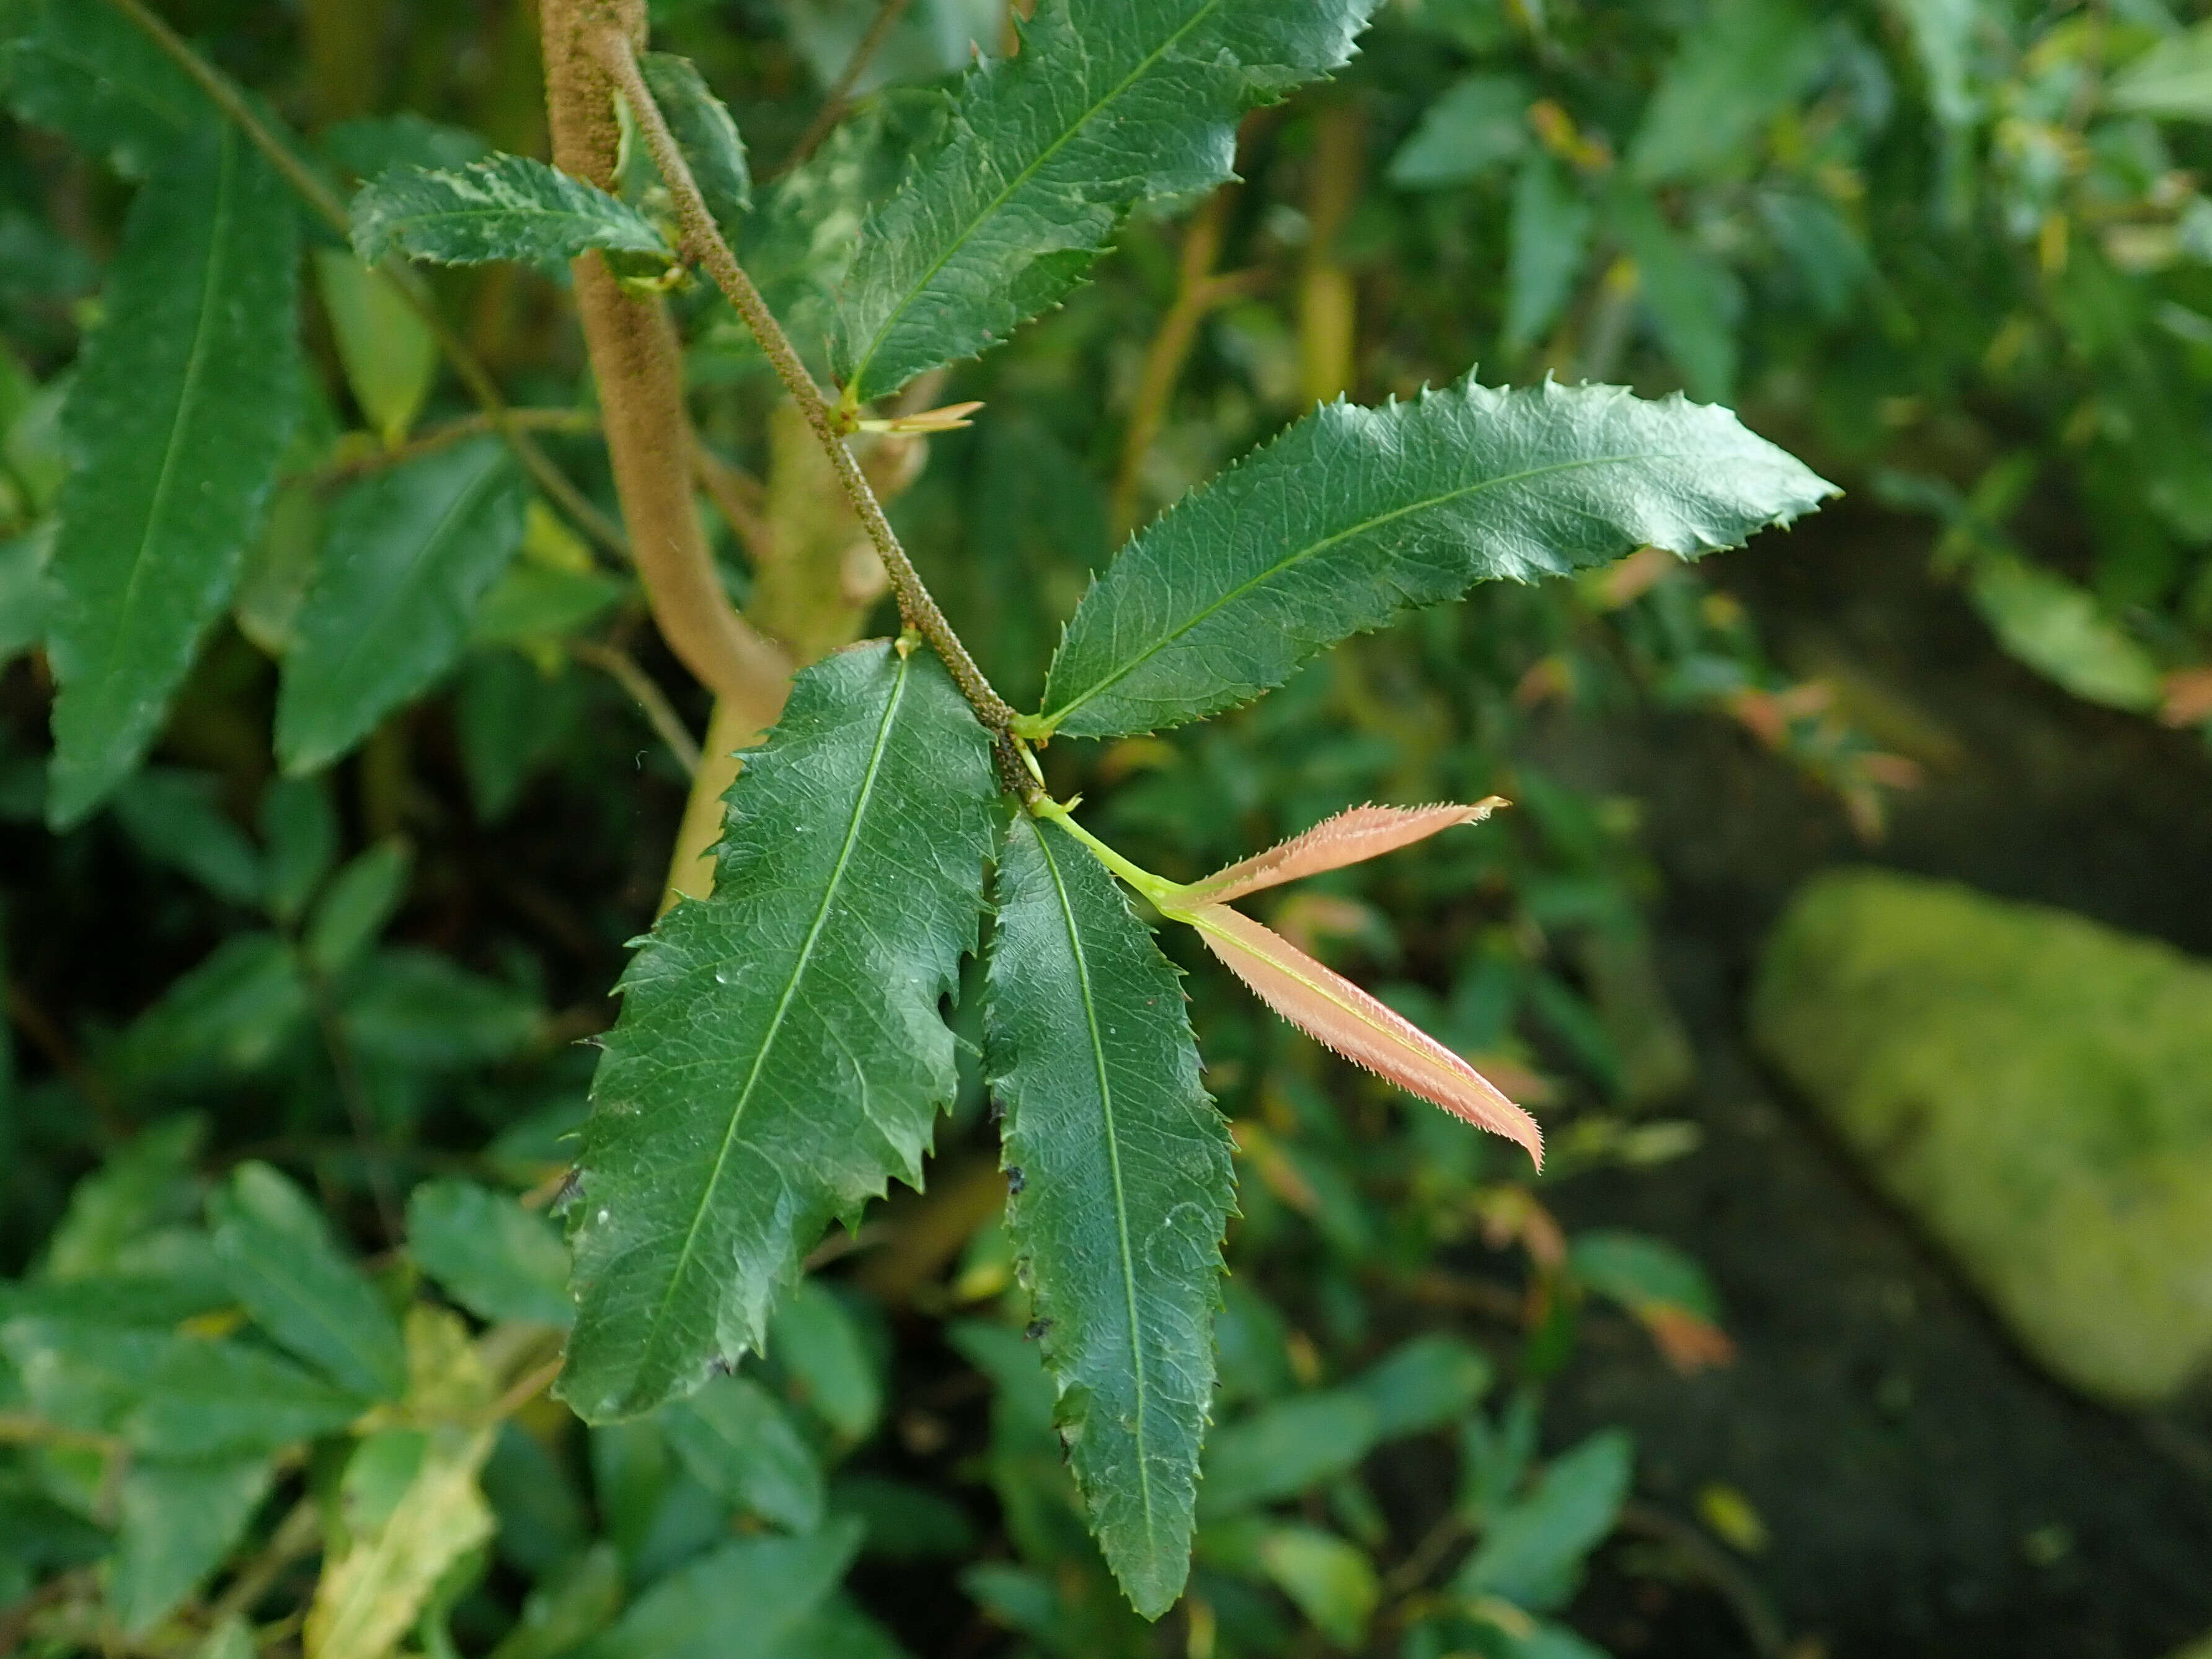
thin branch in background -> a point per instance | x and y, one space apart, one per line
360 1109
32 1019
1753 1610
447 434
297 1535
840 96
318 194
739 497
703 242
1198 290
622 669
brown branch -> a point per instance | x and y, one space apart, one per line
839 98
640 368
297 1534
36 1022
703 242
1198 290
1327 301
622 669
318 195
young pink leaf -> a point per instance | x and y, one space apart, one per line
1361 833
1332 1010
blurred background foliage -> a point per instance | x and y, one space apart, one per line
290 1059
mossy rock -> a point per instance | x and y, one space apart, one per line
2037 1089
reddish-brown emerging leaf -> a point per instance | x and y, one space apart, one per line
1362 832
1332 1010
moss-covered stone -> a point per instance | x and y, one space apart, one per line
2037 1089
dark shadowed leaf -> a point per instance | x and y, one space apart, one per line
497 1259
284 1266
177 416
780 1053
406 556
1127 1186
738 1442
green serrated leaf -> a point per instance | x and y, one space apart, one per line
738 1601
409 553
284 1266
178 1520
1126 1188
704 132
506 207
177 419
87 72
497 1259
780 1053
739 1443
1356 515
1108 103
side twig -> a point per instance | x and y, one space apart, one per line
556 484
660 713
703 242
840 96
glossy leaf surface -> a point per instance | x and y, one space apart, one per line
780 1053
1108 103
1356 515
1126 1189
506 207
407 553
181 408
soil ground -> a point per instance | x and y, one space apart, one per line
1927 1491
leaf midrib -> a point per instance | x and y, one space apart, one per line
860 374
1114 1164
188 395
1055 719
783 1005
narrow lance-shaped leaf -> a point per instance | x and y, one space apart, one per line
1108 103
704 131
1126 1188
1350 837
1333 1011
90 72
507 207
407 554
181 408
781 1051
1356 515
